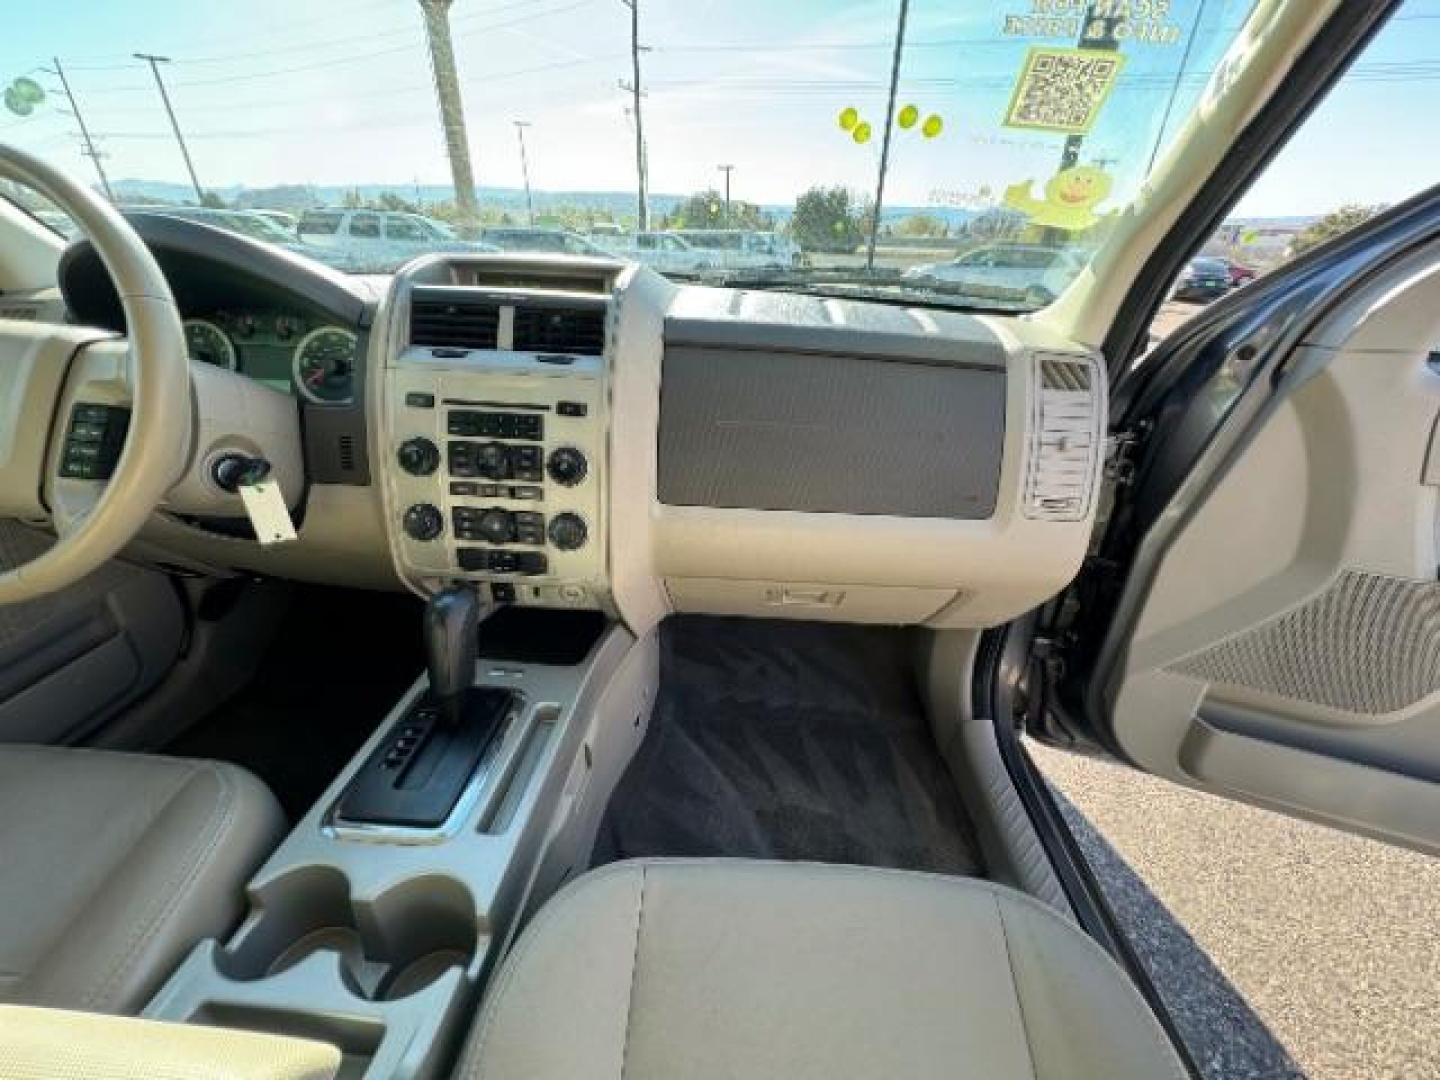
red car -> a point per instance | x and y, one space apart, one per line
1239 275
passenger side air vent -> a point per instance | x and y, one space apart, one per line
560 330
27 312
1065 440
455 324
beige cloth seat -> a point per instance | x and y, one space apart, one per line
113 865
718 968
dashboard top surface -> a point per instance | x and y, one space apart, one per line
748 319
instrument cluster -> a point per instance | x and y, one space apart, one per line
284 350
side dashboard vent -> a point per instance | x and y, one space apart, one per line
346 452
455 324
580 331
1065 440
26 312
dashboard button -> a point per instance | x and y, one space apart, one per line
423 522
496 526
568 532
418 456
492 460
416 400
571 408
567 466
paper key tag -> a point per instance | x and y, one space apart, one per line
268 515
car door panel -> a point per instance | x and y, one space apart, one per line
1285 646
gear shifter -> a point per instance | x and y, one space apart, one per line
452 633
417 772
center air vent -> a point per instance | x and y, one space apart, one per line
560 330
456 324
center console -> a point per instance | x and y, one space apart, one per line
494 412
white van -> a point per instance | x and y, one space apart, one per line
378 241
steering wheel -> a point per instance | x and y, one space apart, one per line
47 371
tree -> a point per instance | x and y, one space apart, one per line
828 220
921 227
1332 225
995 224
706 210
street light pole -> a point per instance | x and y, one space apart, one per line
155 62
520 126
727 170
889 126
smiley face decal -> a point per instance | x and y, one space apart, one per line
1071 196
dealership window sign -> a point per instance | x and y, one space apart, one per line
1146 22
1062 90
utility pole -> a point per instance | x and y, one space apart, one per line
155 62
889 126
520 126
89 151
727 170
452 112
642 199
1103 39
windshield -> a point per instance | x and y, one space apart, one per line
968 153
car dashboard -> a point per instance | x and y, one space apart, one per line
572 432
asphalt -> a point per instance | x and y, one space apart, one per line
1283 948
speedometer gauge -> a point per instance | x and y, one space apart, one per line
324 365
206 343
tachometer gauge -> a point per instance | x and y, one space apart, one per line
324 365
208 344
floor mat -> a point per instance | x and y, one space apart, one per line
340 662
782 740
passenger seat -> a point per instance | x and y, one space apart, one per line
736 969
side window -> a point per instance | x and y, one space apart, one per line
1356 154
400 227
314 223
365 226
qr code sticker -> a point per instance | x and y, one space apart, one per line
1062 89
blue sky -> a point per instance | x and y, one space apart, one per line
276 91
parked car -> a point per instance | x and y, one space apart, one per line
286 220
665 252
557 241
744 249
1037 272
378 241
1203 279
1239 275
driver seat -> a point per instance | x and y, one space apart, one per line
113 865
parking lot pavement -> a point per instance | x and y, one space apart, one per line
1282 948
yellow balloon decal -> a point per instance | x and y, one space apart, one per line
933 126
849 118
861 134
908 115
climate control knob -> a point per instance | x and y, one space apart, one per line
423 522
497 526
418 456
568 531
567 466
492 460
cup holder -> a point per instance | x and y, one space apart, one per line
387 948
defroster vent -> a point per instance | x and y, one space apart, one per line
580 331
455 324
